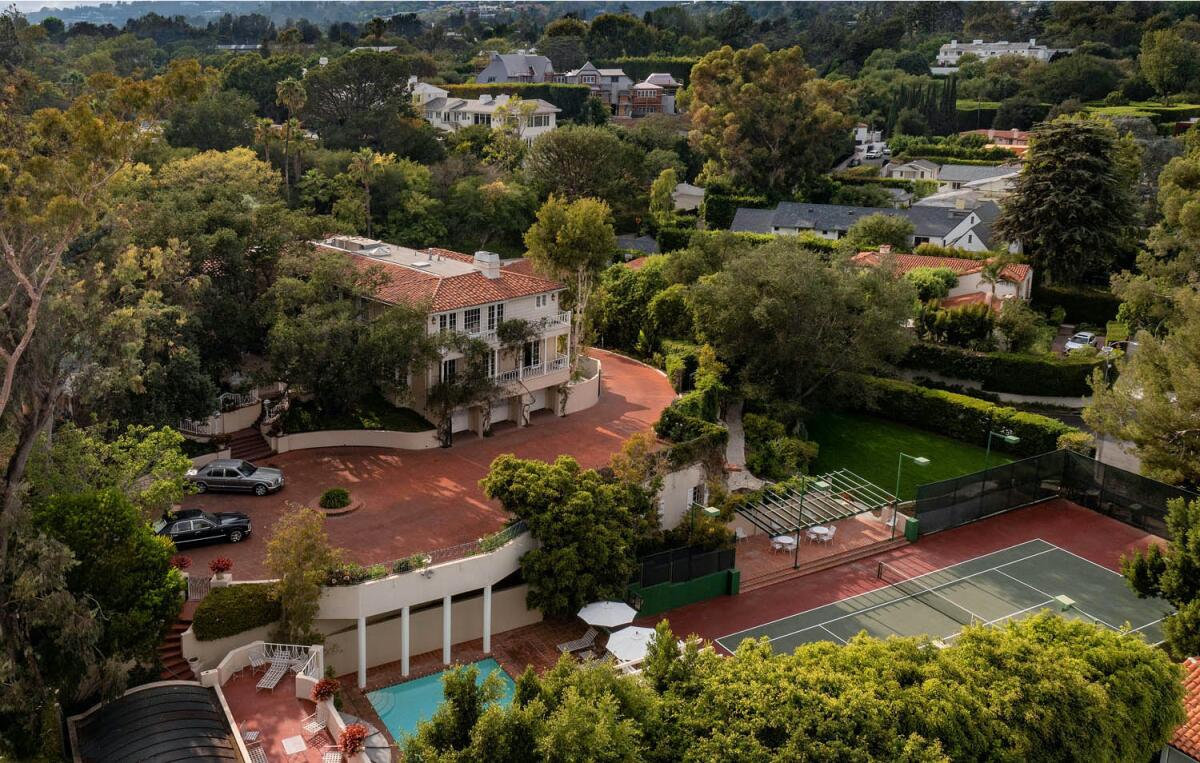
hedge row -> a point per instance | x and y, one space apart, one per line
850 179
940 159
1007 372
961 417
569 98
680 360
1094 306
641 67
673 239
718 209
235 609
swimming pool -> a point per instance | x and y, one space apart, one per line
402 706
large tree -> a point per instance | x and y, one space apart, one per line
789 323
565 162
1173 575
766 118
1168 61
1073 208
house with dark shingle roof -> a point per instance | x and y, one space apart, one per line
516 67
471 295
961 227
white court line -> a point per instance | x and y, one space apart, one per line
1043 593
1010 616
831 633
913 596
884 588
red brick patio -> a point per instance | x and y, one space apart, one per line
275 714
756 558
425 500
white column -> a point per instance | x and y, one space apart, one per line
404 641
487 619
446 630
362 652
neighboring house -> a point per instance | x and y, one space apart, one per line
241 47
375 48
631 242
1014 140
918 169
951 52
448 113
965 228
1016 279
613 86
473 295
1185 746
516 67
997 180
864 136
687 197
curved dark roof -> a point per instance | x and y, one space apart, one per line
161 724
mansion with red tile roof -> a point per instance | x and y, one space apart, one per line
1015 280
473 295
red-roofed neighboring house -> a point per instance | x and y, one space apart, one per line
1015 282
472 295
1014 140
1185 746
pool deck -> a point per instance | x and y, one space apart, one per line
275 714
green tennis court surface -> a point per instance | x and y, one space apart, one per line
1001 586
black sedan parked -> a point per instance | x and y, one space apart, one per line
198 526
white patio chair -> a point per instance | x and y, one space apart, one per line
272 677
312 726
828 537
257 753
249 736
258 659
331 754
583 642
739 535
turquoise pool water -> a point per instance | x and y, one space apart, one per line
402 706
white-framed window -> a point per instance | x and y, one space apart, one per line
449 369
533 353
589 78
471 320
697 494
495 316
447 322
540 300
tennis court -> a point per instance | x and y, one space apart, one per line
990 589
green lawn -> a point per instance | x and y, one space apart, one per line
373 412
870 448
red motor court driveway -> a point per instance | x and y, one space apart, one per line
424 500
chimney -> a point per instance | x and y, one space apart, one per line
960 203
488 264
885 248
954 43
1033 42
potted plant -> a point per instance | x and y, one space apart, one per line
325 689
220 568
354 739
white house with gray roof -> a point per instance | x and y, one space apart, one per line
516 67
448 113
992 182
950 53
965 228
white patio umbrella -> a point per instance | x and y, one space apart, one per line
607 614
630 644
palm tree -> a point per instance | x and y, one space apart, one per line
992 270
363 166
264 130
290 94
376 27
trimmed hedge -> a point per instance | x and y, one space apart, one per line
680 360
641 67
961 417
1083 305
689 424
1007 372
235 609
569 98
718 209
673 239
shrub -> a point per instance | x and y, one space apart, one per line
960 417
410 563
1078 442
220 565
772 453
718 209
235 609
335 498
1007 372
931 283
1081 305
680 362
354 739
347 573
181 562
325 689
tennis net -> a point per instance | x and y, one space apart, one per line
929 596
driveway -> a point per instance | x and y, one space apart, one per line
425 500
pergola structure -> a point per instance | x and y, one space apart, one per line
824 499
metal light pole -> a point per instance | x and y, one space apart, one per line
919 461
1011 439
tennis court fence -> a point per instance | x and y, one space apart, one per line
682 564
1130 498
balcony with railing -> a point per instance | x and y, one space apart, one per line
531 372
541 325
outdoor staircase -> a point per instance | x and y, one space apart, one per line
816 565
170 653
249 444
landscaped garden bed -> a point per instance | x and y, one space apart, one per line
372 412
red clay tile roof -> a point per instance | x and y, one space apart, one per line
973 298
522 265
1015 272
406 285
636 263
1187 737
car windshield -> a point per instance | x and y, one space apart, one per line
159 524
246 468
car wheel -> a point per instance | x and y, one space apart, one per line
235 536
201 487
260 489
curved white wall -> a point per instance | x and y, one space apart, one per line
586 392
362 438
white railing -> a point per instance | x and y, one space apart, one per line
533 371
541 324
229 401
209 427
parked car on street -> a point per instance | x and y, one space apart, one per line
199 526
874 153
236 475
1080 340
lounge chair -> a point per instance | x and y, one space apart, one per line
584 642
272 677
258 659
312 726
249 736
257 753
331 754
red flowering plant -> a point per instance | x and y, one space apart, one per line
353 739
181 561
325 689
220 565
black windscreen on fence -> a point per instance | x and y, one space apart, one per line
1123 495
682 564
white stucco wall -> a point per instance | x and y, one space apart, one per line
673 498
364 438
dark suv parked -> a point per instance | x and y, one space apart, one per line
198 526
234 474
